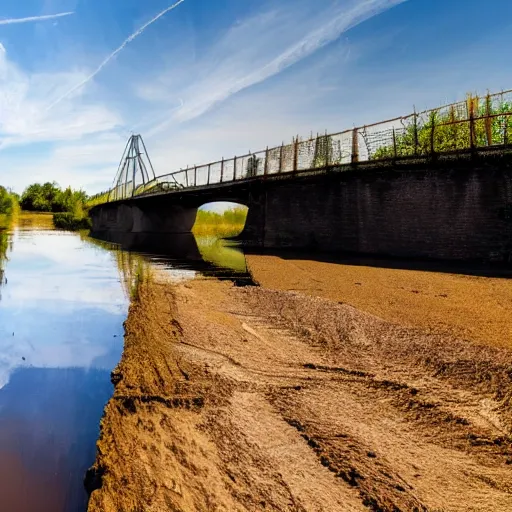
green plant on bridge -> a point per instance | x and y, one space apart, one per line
323 151
492 125
251 169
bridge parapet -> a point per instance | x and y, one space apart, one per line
472 125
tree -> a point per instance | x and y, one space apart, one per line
50 198
7 201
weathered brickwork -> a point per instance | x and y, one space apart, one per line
444 214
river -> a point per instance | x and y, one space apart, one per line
63 300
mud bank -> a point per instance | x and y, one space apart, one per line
248 399
469 307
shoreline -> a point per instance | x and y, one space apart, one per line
249 398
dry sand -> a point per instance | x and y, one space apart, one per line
249 399
475 308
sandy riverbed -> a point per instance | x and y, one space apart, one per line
249 399
469 307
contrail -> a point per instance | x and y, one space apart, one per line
34 18
114 53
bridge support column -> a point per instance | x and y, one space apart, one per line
253 234
155 218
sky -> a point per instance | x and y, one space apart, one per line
206 79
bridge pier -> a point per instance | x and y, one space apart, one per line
139 217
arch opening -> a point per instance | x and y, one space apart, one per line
220 219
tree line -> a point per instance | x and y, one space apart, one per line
49 197
68 206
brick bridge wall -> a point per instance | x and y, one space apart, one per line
452 212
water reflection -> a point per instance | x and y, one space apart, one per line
48 428
5 246
182 255
61 318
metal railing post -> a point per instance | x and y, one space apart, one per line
355 146
394 143
416 142
265 170
195 175
222 170
295 153
488 126
209 167
432 134
234 169
281 158
186 176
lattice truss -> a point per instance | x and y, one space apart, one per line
135 172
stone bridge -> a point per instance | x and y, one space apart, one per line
449 208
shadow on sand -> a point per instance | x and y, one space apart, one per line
470 268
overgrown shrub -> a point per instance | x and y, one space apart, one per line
8 202
70 222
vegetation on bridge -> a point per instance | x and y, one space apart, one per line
484 125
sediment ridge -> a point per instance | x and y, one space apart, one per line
249 399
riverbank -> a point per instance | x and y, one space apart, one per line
232 398
469 307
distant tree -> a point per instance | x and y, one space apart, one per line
8 201
50 198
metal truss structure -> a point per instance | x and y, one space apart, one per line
135 172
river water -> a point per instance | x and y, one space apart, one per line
61 313
63 300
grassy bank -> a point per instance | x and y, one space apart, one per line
68 206
71 222
96 199
221 225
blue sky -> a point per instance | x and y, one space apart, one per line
215 78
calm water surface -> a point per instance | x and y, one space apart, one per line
61 312
63 300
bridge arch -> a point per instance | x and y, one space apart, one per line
220 218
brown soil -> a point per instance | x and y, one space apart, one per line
248 399
469 307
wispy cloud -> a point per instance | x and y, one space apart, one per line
279 38
23 96
11 21
114 53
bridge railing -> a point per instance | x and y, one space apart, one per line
467 125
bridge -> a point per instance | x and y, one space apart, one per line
435 184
